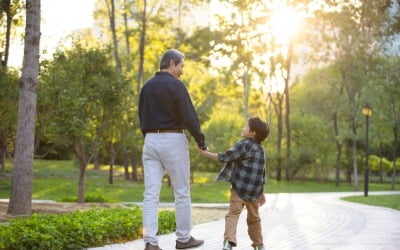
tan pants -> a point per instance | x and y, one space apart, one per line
253 220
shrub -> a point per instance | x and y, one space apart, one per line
387 165
78 230
374 164
88 198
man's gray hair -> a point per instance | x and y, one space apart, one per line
172 54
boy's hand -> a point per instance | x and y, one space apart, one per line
201 151
207 154
261 200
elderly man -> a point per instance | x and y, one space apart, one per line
165 111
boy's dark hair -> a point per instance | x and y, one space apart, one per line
260 127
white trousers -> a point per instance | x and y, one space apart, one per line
166 152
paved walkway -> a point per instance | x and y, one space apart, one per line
303 221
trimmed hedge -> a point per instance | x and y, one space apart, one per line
78 230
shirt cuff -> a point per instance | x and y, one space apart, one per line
220 157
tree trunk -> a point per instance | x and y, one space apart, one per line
135 164
279 148
395 145
96 158
80 154
142 47
278 110
380 164
21 190
348 176
339 149
355 170
125 162
112 158
111 16
127 35
6 4
287 114
354 147
338 164
3 151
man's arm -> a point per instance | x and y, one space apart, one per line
189 116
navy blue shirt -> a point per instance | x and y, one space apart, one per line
165 104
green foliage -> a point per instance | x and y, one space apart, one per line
8 108
390 201
88 198
375 161
78 230
202 88
312 146
79 90
222 131
166 222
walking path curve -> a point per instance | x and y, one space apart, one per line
303 221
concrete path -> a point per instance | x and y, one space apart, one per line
303 221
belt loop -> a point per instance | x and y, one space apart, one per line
158 131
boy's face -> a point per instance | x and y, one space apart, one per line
246 133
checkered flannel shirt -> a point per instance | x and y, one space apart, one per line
244 168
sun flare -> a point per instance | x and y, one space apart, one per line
285 23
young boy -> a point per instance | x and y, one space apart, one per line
245 169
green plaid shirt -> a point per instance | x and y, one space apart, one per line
244 168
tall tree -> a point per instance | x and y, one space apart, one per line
350 34
387 109
88 88
288 65
21 190
277 100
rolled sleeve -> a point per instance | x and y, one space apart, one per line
233 154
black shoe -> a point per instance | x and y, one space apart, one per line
190 244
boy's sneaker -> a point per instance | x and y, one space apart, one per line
227 245
259 248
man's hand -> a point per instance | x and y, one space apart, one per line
261 200
203 146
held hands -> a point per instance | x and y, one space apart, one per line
202 151
261 200
208 154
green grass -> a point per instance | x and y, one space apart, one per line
54 180
390 201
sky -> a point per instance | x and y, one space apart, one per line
59 19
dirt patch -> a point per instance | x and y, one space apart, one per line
199 214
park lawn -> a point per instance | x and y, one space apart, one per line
390 201
55 180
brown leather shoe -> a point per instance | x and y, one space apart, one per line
190 244
151 247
